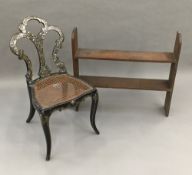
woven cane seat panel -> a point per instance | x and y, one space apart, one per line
58 89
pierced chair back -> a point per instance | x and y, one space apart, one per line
37 40
51 91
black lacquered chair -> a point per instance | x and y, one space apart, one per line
51 91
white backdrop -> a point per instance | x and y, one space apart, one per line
135 137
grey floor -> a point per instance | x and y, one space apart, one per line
136 138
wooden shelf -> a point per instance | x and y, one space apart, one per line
116 55
127 83
134 56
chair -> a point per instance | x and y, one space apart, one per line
51 90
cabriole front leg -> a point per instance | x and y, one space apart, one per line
95 99
45 125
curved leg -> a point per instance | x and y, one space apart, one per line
45 125
94 104
31 113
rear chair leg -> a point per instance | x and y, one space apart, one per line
31 113
77 106
32 109
94 104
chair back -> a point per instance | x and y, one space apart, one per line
37 40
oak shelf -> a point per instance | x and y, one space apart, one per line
127 83
117 55
135 56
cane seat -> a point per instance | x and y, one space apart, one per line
59 89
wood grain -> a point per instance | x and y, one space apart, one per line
74 46
117 55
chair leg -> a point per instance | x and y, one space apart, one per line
94 104
77 106
45 125
31 113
